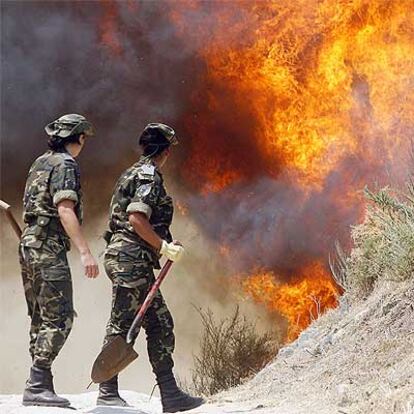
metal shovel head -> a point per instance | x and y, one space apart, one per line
114 357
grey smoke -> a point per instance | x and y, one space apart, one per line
53 61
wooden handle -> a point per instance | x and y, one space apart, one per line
13 222
4 205
136 324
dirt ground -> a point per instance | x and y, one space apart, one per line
356 359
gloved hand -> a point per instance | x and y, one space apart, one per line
172 251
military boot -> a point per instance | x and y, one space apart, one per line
173 399
40 391
108 394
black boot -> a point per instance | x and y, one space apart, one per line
108 394
39 390
173 399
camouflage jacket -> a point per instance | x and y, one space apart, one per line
53 177
139 189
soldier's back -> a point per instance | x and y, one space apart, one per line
38 199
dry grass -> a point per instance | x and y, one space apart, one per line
383 244
231 351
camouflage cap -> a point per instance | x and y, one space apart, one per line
70 124
158 133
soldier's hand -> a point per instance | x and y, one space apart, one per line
90 265
172 251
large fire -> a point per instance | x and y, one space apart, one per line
308 99
313 76
299 301
314 83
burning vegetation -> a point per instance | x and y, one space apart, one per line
299 301
313 97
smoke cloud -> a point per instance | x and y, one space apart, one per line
122 65
62 62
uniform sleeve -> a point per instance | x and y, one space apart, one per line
145 197
65 182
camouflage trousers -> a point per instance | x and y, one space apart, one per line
48 289
131 281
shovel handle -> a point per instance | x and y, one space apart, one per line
13 222
136 324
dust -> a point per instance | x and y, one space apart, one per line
196 282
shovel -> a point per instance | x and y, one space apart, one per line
118 353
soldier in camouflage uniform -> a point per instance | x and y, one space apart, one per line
141 213
52 215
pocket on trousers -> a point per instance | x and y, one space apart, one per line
52 255
132 281
56 301
55 273
54 247
132 274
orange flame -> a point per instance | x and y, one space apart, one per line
300 301
320 80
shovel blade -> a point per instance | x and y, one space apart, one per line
114 357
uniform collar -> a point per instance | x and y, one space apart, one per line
61 151
58 151
149 161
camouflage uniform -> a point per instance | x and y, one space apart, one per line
129 260
53 177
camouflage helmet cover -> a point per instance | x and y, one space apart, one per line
158 134
70 124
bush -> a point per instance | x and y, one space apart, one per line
231 351
383 244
